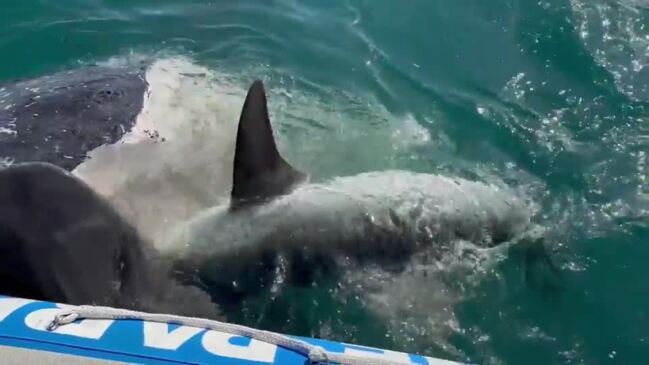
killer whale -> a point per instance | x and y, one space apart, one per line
60 118
278 223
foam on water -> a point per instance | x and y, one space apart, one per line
178 157
449 220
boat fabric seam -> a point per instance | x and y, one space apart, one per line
315 354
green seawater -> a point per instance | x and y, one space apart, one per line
550 96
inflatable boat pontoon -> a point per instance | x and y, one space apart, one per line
35 332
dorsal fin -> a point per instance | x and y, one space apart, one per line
260 172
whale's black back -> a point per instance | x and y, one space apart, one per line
61 117
60 241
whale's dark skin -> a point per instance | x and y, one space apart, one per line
61 117
61 242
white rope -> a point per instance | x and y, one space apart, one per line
315 354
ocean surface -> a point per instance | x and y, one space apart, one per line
550 97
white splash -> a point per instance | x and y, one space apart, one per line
10 131
177 160
410 133
331 213
178 157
